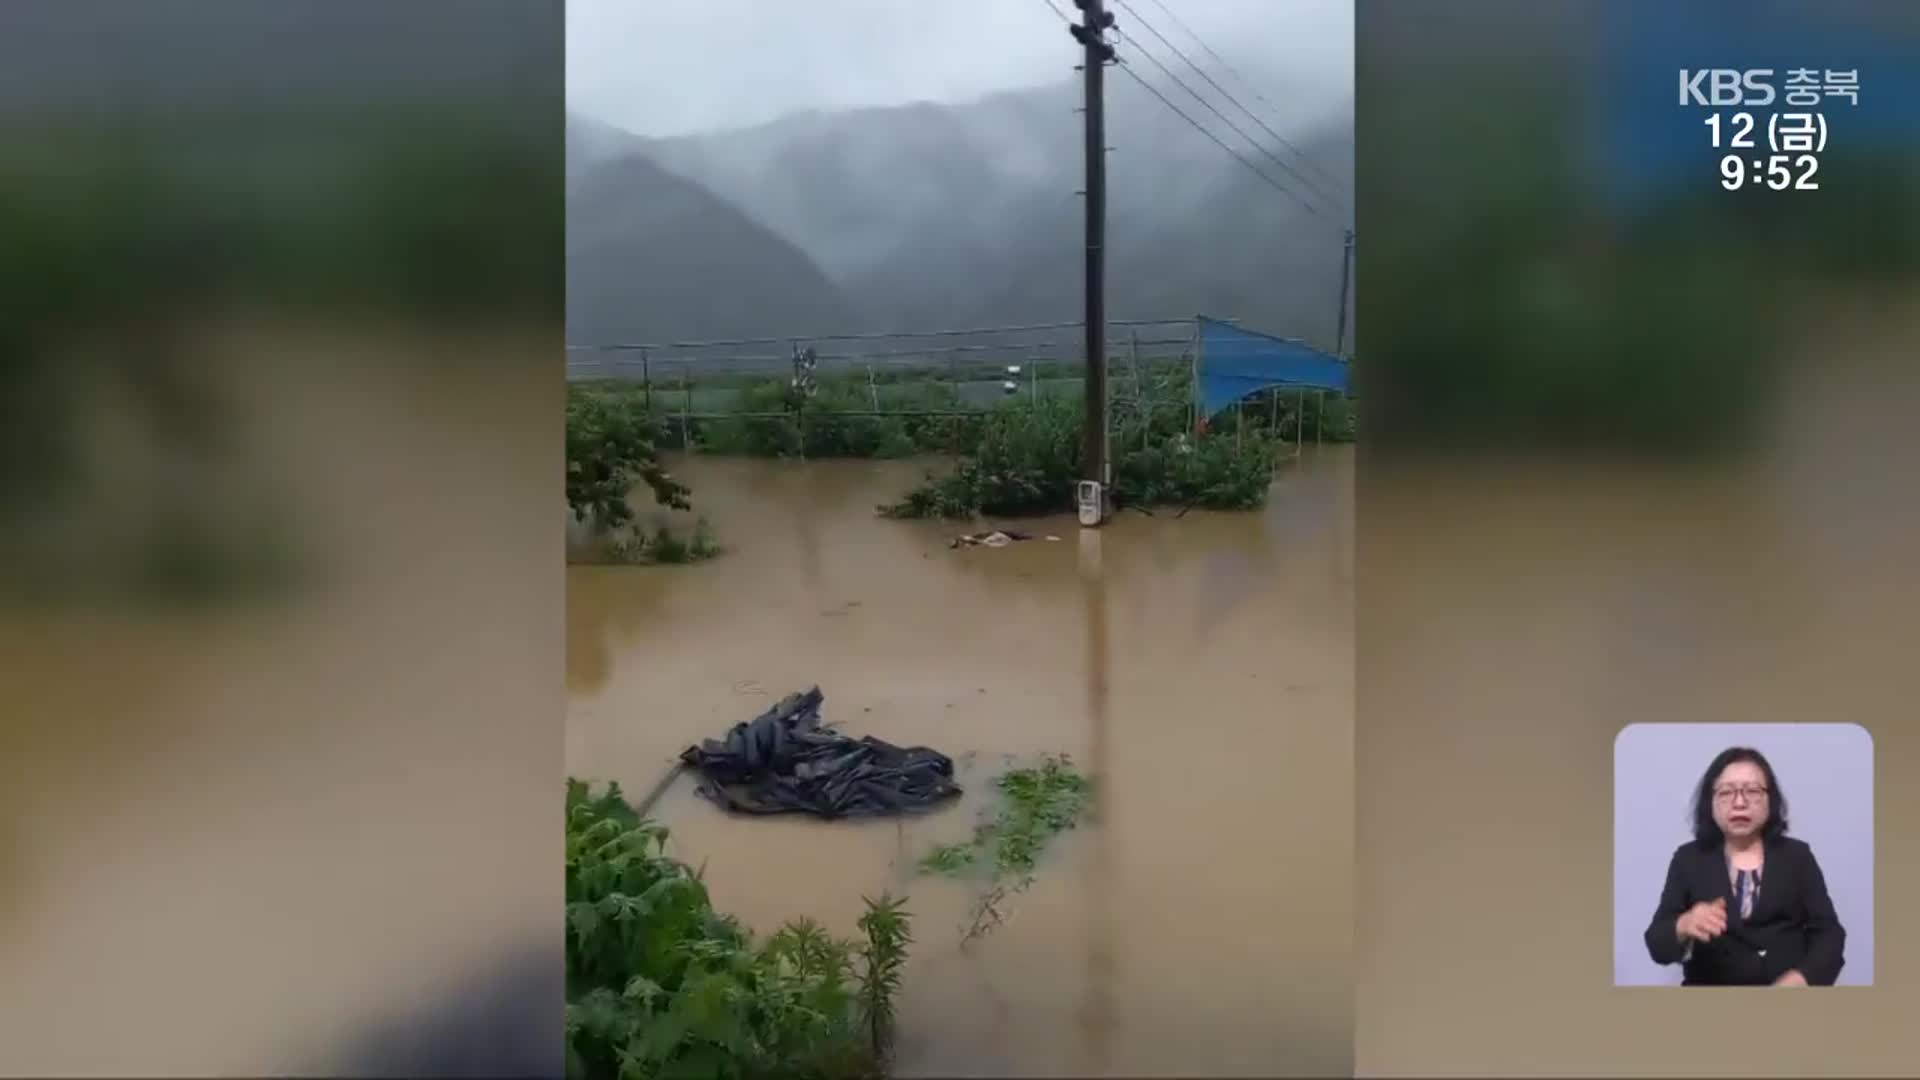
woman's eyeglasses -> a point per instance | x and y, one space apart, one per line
1751 794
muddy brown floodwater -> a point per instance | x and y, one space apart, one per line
1201 667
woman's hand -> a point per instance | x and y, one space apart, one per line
1703 921
1791 978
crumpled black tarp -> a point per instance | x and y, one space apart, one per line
784 762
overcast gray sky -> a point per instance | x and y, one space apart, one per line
667 67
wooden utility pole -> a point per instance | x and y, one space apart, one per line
1098 1017
1346 280
1090 34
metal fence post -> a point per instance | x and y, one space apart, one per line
799 400
1300 422
1193 379
686 405
1133 365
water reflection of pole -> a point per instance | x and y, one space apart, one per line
807 529
1097 1015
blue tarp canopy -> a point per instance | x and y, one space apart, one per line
1235 363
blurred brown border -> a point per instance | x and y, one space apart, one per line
281 648
1540 564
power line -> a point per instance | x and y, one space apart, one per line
1244 82
1175 49
1197 126
871 336
1291 193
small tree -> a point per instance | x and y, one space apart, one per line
609 446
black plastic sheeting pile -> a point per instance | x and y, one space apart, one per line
784 762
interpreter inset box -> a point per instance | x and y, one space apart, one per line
1743 855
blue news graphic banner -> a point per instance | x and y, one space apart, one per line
1664 68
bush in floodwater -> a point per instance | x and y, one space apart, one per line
1214 472
637 545
1028 460
1289 416
660 984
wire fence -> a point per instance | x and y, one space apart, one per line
740 392
971 371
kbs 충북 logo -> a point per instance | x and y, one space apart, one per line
1756 87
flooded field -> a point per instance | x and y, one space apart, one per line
1200 667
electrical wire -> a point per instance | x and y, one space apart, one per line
1255 143
1242 79
1197 125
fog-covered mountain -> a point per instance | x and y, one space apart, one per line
936 216
653 257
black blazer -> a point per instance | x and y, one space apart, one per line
1793 926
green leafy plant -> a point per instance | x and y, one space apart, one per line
1037 803
950 858
1025 461
660 984
1213 472
668 548
888 929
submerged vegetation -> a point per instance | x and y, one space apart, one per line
837 422
758 416
1037 804
1027 461
1019 455
660 984
638 545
